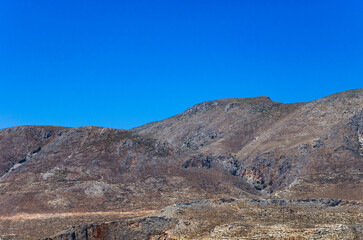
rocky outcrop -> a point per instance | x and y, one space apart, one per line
152 227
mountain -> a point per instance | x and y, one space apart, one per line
248 148
309 149
49 169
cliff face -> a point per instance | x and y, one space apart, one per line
251 147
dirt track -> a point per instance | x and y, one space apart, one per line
73 214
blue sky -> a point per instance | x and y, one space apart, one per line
121 63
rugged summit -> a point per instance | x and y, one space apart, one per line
245 148
309 149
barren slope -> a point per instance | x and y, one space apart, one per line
317 146
249 147
99 169
235 219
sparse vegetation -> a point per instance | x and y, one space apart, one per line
205 155
37 150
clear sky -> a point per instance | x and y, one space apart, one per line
124 63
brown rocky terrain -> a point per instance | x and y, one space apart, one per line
236 219
244 149
309 149
99 169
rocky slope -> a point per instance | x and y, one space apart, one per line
309 149
98 169
228 148
236 219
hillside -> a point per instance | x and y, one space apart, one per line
247 148
309 149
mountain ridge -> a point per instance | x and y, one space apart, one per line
226 148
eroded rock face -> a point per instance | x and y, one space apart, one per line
152 227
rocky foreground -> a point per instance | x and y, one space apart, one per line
236 219
256 154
